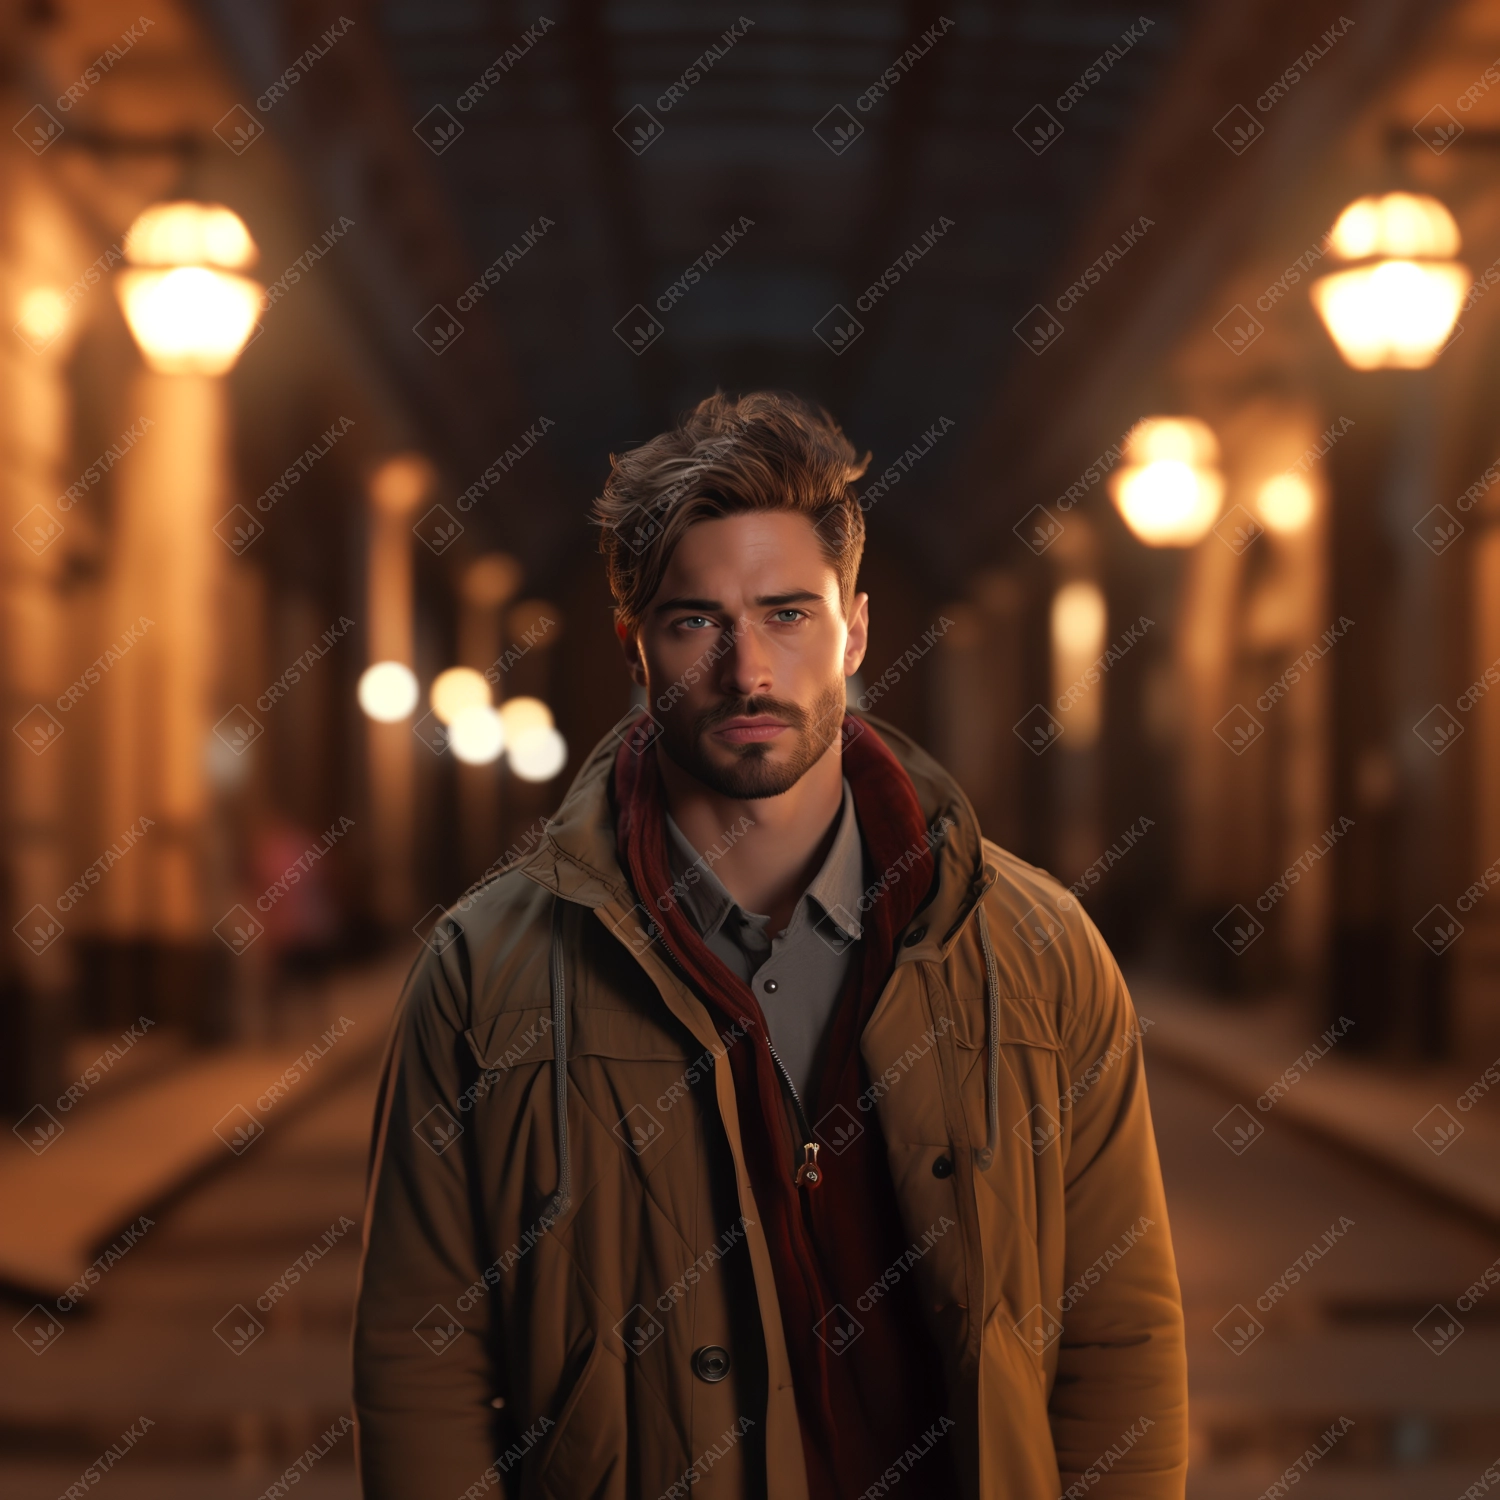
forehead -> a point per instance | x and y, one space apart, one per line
753 552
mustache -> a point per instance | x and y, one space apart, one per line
795 717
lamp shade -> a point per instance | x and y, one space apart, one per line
1170 489
1396 307
188 308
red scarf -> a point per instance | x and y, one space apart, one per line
833 1242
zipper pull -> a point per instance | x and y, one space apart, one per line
808 1174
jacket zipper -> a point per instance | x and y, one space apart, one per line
809 1173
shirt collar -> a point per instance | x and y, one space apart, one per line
836 888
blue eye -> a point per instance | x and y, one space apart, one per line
798 612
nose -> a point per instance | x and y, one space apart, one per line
746 665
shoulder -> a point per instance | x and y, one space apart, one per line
487 952
1045 944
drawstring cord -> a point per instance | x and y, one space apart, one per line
557 1204
984 1155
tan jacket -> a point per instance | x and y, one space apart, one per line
554 1235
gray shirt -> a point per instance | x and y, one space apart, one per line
797 976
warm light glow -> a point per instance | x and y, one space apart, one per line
1396 310
189 313
477 736
1396 314
190 234
538 754
44 314
523 714
1285 503
401 482
1169 491
190 320
1399 224
1183 440
388 691
457 689
1078 617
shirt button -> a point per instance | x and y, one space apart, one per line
711 1362
916 935
769 985
943 1166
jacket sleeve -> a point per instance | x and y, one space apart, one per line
1119 1402
424 1374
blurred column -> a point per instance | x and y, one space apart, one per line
397 488
36 971
488 584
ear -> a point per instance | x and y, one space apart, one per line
858 639
630 647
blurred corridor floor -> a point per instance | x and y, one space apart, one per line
1337 1341
226 1425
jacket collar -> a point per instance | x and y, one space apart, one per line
577 858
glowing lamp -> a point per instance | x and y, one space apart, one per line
188 310
1284 503
476 735
457 689
388 691
1170 489
538 754
1396 308
522 714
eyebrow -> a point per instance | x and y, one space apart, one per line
794 596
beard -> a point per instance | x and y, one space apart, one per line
764 768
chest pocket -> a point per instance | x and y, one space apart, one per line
523 1036
1031 1052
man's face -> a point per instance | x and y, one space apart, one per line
744 650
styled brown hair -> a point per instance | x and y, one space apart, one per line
765 450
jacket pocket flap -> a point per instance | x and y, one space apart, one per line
525 1035
1024 1019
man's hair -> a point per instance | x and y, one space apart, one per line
765 450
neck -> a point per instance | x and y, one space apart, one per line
766 849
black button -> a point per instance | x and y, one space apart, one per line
711 1362
943 1167
916 935
770 985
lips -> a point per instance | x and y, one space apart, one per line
750 730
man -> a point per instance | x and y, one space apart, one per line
764 1130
